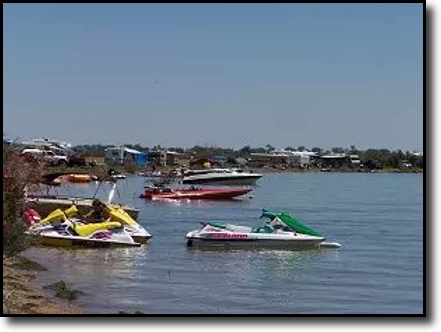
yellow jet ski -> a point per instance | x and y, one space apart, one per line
59 228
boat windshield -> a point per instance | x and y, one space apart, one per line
289 221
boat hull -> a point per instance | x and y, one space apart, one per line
118 176
78 242
141 239
138 234
79 178
254 243
247 239
213 194
226 180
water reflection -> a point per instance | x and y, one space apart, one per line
99 264
195 202
279 264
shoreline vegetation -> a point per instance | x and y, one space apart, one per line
21 293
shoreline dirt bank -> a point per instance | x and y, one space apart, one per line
22 295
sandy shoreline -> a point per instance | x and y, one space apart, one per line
23 296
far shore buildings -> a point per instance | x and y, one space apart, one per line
168 158
282 158
158 156
124 154
304 159
48 144
340 160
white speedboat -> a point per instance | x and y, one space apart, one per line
115 175
220 176
118 176
282 232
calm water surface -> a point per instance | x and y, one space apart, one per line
378 219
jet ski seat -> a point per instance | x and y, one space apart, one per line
86 230
267 229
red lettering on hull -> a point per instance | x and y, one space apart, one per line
228 236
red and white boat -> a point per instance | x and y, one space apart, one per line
192 193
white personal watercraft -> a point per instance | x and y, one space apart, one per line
282 232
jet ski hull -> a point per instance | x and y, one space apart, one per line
260 244
141 239
296 244
251 240
79 242
139 234
131 226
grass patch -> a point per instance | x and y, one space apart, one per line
64 291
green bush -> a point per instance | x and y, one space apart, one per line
18 175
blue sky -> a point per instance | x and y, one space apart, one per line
327 75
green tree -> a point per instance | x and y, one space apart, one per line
419 162
338 150
353 149
269 148
246 150
19 173
257 150
317 150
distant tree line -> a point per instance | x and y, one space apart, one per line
392 159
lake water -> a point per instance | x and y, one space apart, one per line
378 219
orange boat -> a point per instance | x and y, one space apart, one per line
79 178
